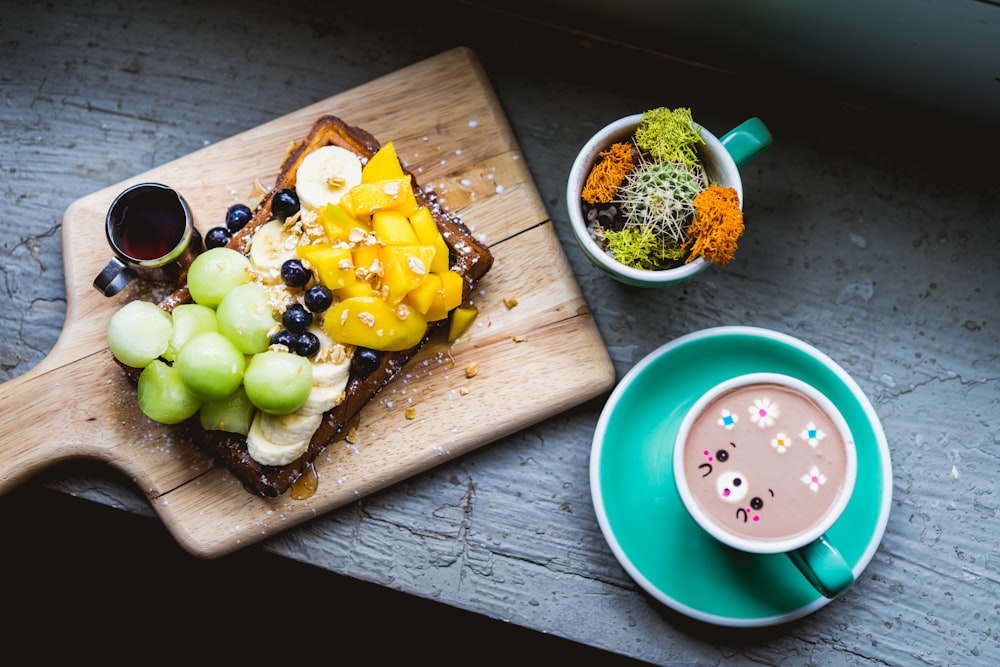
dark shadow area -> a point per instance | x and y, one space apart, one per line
87 580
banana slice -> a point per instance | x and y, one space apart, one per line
269 248
278 440
325 175
329 382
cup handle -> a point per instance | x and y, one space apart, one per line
113 277
746 140
824 567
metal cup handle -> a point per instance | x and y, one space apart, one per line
113 278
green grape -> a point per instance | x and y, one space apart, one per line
278 382
189 320
245 318
138 333
215 272
163 396
210 365
234 413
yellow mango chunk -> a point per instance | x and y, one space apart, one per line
394 193
428 234
333 264
357 288
370 322
428 298
404 267
338 223
366 256
461 320
393 228
454 285
382 166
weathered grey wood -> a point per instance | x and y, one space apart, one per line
873 234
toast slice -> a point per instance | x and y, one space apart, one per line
468 257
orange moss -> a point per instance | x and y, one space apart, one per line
605 177
717 225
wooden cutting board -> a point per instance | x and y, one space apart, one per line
535 359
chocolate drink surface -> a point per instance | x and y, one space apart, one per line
766 462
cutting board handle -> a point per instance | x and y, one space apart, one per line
48 417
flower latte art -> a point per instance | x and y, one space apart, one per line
766 462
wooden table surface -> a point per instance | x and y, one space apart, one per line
872 233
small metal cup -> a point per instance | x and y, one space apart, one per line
151 232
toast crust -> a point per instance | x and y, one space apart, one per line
468 257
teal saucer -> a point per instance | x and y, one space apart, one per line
643 518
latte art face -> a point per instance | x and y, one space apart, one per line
766 462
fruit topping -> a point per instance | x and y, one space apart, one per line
211 366
296 318
217 237
215 272
237 216
138 333
284 337
284 203
307 344
294 273
278 382
318 298
365 362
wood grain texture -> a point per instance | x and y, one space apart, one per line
533 360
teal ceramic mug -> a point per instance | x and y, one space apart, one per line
765 463
722 158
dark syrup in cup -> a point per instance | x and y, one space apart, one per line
151 227
151 231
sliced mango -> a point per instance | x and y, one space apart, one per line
461 320
428 298
393 228
366 256
394 193
357 288
404 267
428 233
382 166
333 264
338 223
368 321
454 285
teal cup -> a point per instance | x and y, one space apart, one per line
766 464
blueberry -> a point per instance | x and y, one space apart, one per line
217 237
284 203
296 318
284 337
294 273
237 217
365 362
306 344
318 298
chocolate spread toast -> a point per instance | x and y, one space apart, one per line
467 257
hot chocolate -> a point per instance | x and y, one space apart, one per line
766 462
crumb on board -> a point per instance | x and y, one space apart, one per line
411 412
519 339
510 301
472 369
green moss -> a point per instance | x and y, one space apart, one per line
669 135
640 248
